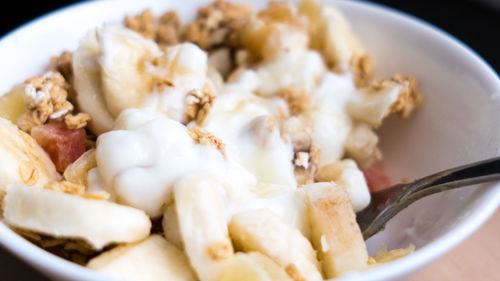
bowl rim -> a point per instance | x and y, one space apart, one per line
47 262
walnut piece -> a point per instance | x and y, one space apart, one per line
199 103
205 138
218 24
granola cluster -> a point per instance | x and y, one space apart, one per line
199 103
47 100
409 99
218 24
165 30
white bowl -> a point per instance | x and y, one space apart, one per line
454 126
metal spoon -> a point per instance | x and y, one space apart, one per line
387 203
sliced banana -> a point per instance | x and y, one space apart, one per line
170 225
335 233
202 225
253 266
22 159
63 215
124 58
153 259
346 174
88 85
373 104
265 232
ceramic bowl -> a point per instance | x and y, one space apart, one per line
455 125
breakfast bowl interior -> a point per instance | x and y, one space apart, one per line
455 125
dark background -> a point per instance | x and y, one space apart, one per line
475 22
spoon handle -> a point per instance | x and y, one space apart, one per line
387 203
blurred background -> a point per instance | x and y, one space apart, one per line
475 22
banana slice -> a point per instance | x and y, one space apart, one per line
23 160
266 232
88 85
152 259
335 233
124 59
77 172
63 215
171 226
203 226
253 266
13 104
346 174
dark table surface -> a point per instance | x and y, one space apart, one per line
476 23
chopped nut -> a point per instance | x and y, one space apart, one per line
409 99
362 68
199 103
77 121
143 23
205 138
218 24
298 100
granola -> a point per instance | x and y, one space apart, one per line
205 138
218 24
199 103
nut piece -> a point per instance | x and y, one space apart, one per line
306 165
218 24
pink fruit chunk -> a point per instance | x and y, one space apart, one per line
63 145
